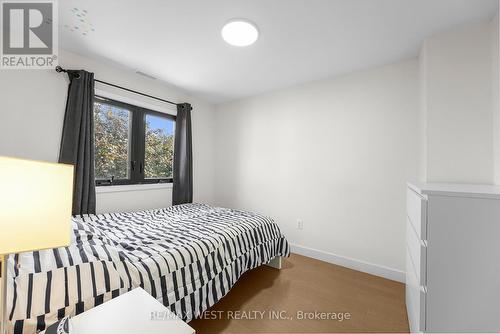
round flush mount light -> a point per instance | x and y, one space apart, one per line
240 32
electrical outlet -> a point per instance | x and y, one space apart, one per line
300 224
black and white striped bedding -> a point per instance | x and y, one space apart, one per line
186 256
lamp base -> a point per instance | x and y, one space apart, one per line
3 295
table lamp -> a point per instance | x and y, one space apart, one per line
35 211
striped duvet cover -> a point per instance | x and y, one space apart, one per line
186 256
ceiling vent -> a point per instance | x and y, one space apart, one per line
145 75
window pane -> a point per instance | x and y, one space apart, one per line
159 148
112 140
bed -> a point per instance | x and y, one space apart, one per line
186 256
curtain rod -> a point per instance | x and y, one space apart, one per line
59 69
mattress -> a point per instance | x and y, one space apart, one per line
186 256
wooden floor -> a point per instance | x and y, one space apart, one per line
304 284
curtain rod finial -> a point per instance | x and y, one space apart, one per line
73 73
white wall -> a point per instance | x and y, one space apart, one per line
457 104
422 125
334 153
495 48
32 106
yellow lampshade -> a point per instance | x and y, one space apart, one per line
35 205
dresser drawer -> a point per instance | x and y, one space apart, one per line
418 253
416 209
415 299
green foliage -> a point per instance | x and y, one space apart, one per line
159 153
111 127
111 141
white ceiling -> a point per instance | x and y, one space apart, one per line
300 40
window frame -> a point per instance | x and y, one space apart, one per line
137 144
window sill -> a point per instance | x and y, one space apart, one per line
132 187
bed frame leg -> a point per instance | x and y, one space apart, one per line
275 263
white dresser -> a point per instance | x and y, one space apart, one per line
453 258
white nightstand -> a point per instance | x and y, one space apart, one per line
130 313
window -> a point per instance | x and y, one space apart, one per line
112 126
133 145
159 147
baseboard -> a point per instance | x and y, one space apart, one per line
359 265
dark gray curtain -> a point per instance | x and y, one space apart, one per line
183 156
77 143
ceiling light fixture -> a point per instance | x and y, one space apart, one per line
239 32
